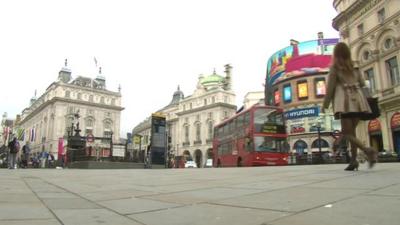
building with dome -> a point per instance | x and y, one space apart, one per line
191 119
48 118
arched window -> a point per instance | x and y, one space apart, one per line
102 100
320 142
67 94
79 96
90 98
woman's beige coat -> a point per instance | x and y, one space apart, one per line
345 92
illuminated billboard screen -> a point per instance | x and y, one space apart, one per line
320 87
310 57
277 97
287 93
302 90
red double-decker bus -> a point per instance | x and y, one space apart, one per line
254 137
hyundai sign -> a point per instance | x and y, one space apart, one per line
300 113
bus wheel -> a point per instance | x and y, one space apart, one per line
218 163
239 162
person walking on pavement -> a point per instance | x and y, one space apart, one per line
349 102
26 150
43 158
12 155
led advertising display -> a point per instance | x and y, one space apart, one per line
320 88
302 90
277 97
301 58
287 93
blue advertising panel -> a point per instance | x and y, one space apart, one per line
300 113
287 93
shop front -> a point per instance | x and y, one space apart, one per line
395 127
375 134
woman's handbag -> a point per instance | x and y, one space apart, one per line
375 111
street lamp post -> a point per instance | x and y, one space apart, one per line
319 140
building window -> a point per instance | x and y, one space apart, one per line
213 99
89 123
381 15
184 107
88 131
205 101
369 76
79 96
70 110
210 130
67 94
102 100
366 55
197 117
225 114
113 101
107 125
392 69
186 120
190 105
388 43
210 115
187 134
360 29
90 98
198 132
225 99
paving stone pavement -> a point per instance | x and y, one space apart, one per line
317 194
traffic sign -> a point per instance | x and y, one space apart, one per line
336 134
90 138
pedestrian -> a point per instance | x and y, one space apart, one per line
349 102
43 158
12 155
26 150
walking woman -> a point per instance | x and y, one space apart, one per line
349 103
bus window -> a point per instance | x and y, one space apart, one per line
248 144
270 144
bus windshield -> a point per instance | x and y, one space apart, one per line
268 121
270 144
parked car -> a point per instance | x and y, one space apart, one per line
190 164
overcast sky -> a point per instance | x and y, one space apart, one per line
150 46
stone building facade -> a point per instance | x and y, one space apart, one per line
191 120
50 116
371 28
